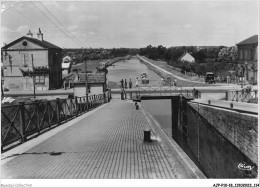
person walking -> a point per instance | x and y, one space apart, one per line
130 83
122 83
136 82
175 82
125 84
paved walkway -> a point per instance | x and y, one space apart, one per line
106 144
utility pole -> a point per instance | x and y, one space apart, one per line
86 76
33 78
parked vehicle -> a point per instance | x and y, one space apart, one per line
210 78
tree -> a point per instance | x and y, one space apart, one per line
200 56
228 54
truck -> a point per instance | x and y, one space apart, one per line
210 78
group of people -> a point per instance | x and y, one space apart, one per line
124 83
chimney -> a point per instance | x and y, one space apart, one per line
40 35
29 34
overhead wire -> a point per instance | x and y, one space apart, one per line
54 23
60 23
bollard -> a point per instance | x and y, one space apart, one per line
147 135
226 95
122 96
136 106
231 105
131 95
209 102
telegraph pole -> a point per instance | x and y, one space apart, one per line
33 78
86 77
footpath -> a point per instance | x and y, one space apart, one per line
106 144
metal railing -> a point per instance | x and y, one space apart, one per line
162 90
22 121
245 95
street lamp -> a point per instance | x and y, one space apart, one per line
86 72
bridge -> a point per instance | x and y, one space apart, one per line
103 136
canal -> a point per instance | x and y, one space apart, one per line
128 69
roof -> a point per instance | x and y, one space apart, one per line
250 40
93 77
185 53
43 43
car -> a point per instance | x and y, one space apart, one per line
210 78
144 78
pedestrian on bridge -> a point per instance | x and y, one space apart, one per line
122 83
125 84
175 82
130 84
136 82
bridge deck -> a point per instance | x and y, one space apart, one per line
105 144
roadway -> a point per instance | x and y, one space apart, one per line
105 144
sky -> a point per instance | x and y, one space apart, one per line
131 24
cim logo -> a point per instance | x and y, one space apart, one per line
243 166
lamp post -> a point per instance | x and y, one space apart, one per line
86 75
33 78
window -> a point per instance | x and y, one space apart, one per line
25 59
39 79
241 54
245 54
252 54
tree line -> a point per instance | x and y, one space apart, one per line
217 59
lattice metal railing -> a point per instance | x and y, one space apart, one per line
245 96
19 122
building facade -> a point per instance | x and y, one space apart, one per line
248 58
18 58
187 57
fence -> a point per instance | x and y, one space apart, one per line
245 96
22 121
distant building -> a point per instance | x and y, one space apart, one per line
96 83
247 51
66 65
187 57
17 63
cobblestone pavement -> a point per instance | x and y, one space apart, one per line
107 144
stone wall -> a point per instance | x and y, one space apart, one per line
222 140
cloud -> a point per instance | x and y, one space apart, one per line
92 18
6 29
92 33
71 8
23 29
73 28
187 26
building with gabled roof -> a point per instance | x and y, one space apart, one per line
186 57
248 58
18 57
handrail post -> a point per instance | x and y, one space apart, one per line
49 116
37 117
58 110
22 121
76 103
87 101
104 97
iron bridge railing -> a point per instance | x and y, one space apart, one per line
245 96
162 88
22 121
